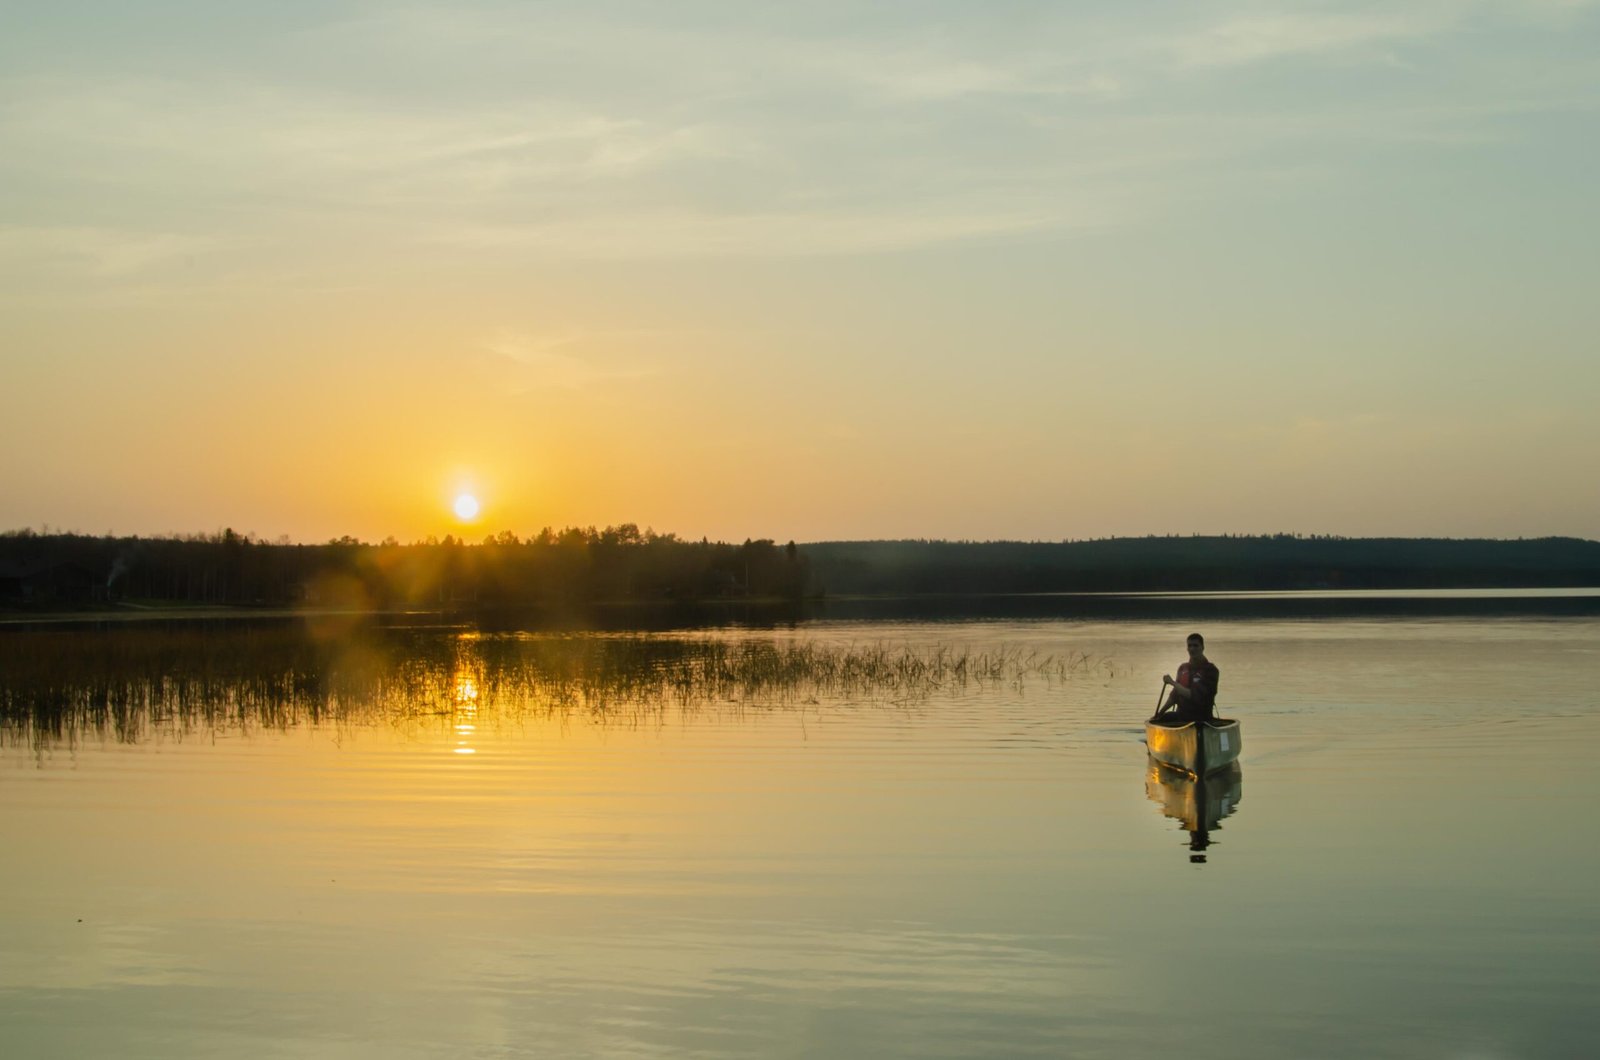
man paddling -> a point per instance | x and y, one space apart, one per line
1194 690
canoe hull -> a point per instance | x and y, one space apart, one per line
1198 748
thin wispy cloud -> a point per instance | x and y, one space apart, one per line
570 361
801 232
1284 34
302 135
93 252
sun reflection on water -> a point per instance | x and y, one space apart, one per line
466 712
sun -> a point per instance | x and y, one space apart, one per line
466 507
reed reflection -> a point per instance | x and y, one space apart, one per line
129 685
1199 803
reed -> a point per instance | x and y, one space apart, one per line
130 685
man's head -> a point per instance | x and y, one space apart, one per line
1197 646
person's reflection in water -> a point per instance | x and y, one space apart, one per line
1199 838
1198 804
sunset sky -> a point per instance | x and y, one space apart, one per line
806 271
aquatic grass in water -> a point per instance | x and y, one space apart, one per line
131 685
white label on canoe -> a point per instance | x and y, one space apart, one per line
1224 740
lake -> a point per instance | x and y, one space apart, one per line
853 836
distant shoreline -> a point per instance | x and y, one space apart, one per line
645 616
621 568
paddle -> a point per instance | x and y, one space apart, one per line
1161 695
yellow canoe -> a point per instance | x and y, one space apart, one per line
1197 748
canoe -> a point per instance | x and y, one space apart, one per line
1198 748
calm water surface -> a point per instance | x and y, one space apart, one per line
437 860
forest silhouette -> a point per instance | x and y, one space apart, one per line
577 564
46 570
1218 563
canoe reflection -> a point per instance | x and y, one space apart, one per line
1200 804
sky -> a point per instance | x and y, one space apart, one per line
822 271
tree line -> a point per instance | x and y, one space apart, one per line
1200 563
577 564
623 563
